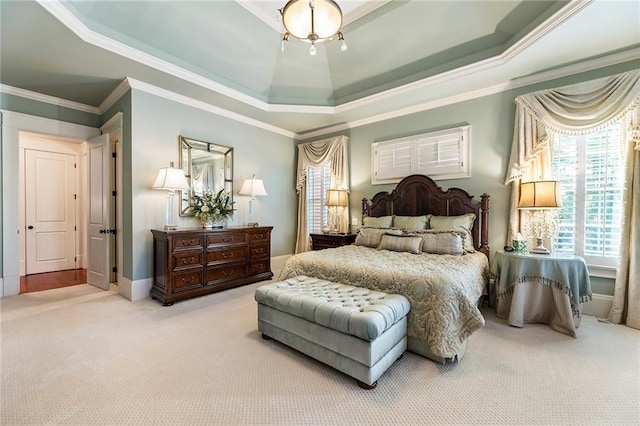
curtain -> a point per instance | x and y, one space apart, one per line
574 110
316 154
626 296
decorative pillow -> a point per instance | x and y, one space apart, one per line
409 244
442 242
411 223
378 222
462 223
371 237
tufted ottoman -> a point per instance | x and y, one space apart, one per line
355 330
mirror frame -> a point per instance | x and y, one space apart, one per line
185 157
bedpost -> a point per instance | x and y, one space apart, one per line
365 207
484 223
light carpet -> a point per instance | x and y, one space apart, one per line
80 355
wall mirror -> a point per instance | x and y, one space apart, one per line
207 166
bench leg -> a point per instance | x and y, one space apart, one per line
265 337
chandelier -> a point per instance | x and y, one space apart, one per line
312 21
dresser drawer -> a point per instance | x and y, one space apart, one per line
187 242
224 273
187 280
258 251
259 267
186 260
226 255
258 237
224 238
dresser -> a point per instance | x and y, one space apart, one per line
323 241
194 262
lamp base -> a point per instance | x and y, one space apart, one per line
170 227
540 249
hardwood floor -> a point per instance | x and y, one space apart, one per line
51 280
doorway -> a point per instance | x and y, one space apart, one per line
54 201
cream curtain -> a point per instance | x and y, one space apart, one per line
580 109
626 296
316 154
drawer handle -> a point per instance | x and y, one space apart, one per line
259 250
186 262
227 272
187 281
227 254
260 236
227 240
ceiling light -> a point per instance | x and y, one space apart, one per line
312 21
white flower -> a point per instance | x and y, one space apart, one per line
204 209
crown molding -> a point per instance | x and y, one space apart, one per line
589 65
39 97
185 100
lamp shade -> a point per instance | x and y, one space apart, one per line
253 187
336 197
540 195
299 20
171 179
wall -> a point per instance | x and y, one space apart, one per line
156 125
491 119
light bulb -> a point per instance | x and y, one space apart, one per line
343 46
312 50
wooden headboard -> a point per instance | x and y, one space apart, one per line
418 195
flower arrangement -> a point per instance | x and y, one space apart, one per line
212 207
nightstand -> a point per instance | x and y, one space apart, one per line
324 241
546 288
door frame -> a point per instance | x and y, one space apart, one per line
13 124
38 142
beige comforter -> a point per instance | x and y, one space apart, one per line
442 289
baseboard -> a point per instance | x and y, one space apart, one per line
599 306
135 290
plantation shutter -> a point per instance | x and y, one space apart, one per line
441 155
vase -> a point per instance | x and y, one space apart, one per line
214 223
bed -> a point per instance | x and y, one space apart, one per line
444 290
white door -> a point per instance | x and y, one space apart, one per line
99 224
50 211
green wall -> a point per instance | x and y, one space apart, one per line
156 125
491 119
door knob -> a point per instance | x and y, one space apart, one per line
30 227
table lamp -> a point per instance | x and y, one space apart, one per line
252 187
336 198
540 197
170 179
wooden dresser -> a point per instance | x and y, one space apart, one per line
324 241
193 262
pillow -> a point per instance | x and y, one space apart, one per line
442 242
378 222
461 223
371 237
409 244
411 223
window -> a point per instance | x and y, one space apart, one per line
442 155
318 181
590 169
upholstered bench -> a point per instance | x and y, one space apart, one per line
354 330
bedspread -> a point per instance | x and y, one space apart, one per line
442 289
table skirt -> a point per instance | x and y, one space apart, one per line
532 302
